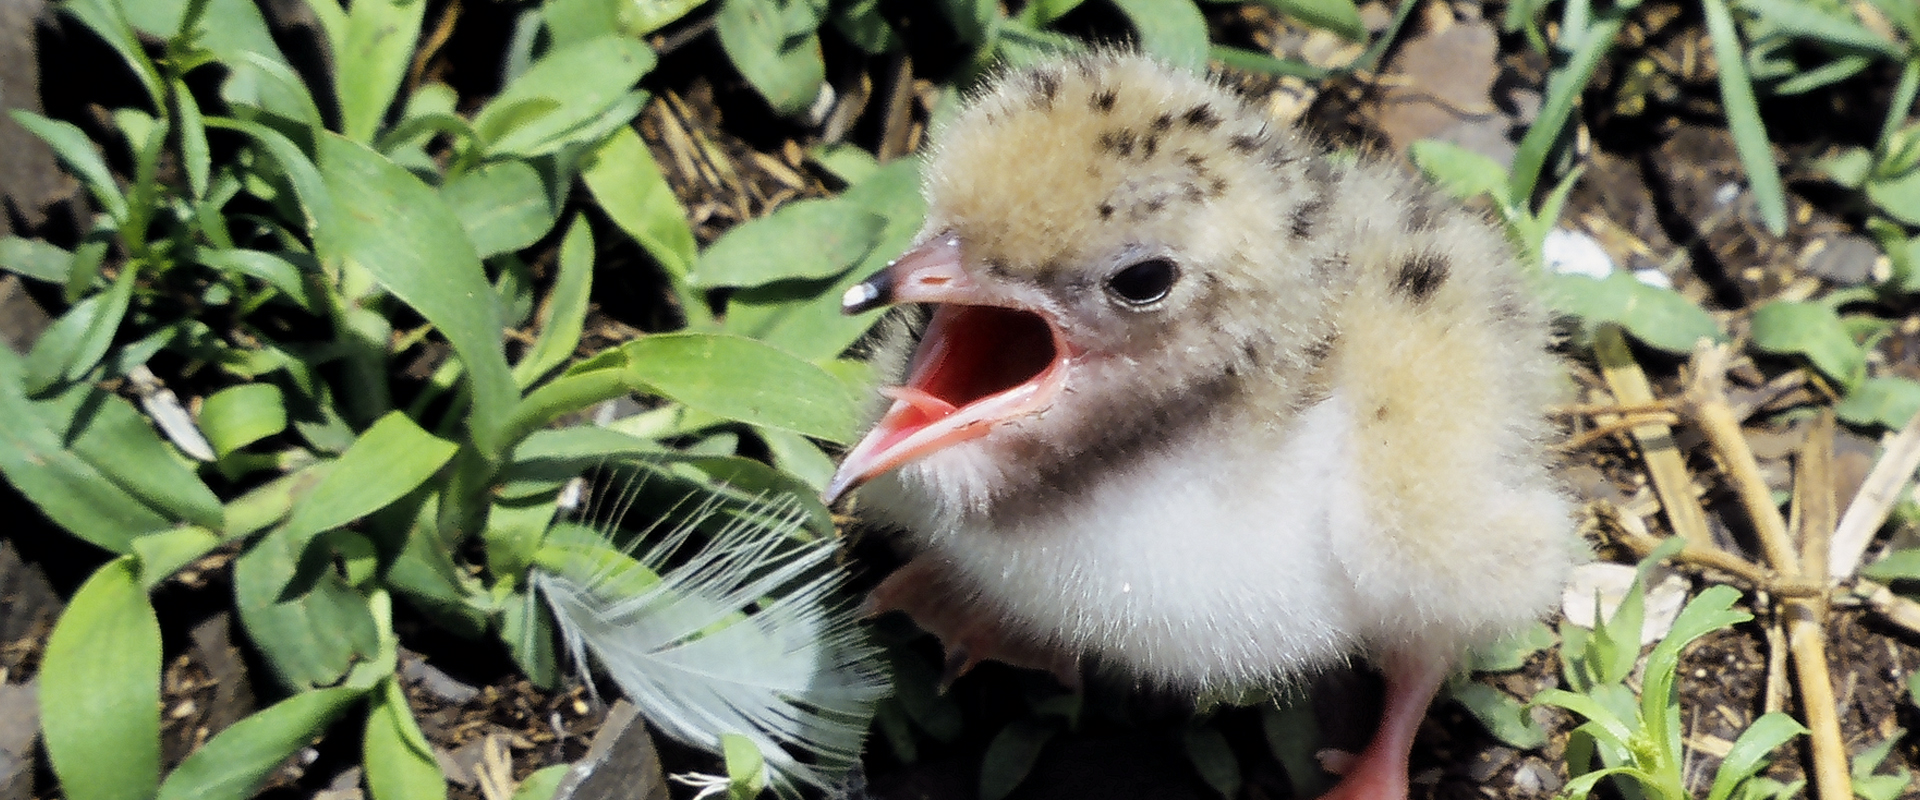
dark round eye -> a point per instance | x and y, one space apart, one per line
1143 282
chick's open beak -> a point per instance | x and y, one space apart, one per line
980 362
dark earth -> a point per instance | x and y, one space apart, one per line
1659 163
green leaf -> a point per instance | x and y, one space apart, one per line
1172 30
1708 611
1897 196
163 553
1511 652
1207 748
974 21
70 491
1830 25
504 206
233 764
399 762
1011 755
570 22
77 341
419 252
1463 173
372 61
1659 317
565 91
1899 565
193 139
798 456
628 187
847 162
300 172
263 82
837 233
34 258
1884 401
1904 13
1848 166
543 783
862 24
1743 117
273 269
564 315
1565 84
746 768
108 433
234 32
1749 752
804 318
1339 16
1607 726
75 150
1812 330
100 690
746 380
238 416
1503 716
783 65
527 632
310 639
391 459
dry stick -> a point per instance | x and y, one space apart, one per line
1807 616
1708 401
1806 631
1595 409
1664 464
897 125
1610 425
1901 611
1898 459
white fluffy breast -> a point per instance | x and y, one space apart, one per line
1183 570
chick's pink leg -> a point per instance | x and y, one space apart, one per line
969 628
1380 771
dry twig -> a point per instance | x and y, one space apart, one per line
1804 616
1664 463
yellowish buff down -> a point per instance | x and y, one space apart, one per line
1206 405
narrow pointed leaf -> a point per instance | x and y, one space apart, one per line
233 764
76 152
388 461
372 60
565 313
398 229
628 186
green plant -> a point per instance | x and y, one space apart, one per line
1639 739
1658 317
299 259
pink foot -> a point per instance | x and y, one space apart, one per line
1380 771
969 629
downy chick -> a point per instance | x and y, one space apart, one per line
1207 404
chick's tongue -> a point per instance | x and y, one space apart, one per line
975 366
973 352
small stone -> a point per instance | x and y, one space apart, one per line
436 682
1488 764
1535 777
1843 260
